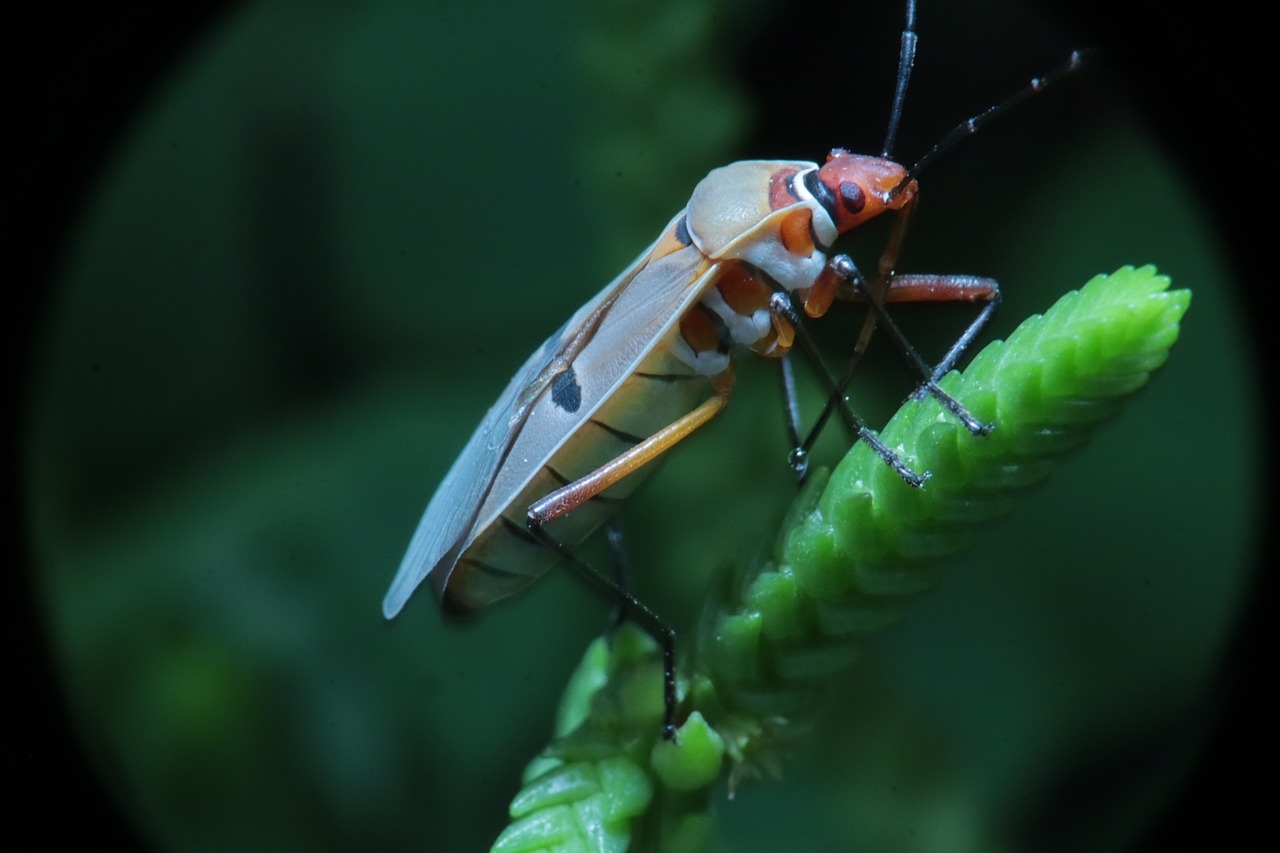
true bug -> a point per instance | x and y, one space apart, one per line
648 360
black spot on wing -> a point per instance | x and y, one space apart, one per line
566 392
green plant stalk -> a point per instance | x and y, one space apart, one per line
854 548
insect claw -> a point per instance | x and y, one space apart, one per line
980 430
893 460
911 478
954 406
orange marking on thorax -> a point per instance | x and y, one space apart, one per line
699 331
746 292
743 291
797 237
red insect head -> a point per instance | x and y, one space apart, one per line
864 187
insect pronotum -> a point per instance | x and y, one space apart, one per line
649 360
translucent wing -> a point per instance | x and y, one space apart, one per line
602 343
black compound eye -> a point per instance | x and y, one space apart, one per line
851 197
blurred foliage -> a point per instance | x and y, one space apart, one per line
337 231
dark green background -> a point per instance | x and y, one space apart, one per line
331 233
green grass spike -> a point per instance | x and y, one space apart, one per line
853 549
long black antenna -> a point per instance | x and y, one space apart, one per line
906 61
970 126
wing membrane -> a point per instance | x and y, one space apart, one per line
522 430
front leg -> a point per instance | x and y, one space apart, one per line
780 305
919 288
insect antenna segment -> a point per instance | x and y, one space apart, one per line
970 126
906 61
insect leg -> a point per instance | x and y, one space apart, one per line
949 288
799 458
781 304
928 288
644 616
566 498
618 558
618 554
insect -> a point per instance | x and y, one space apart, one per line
649 360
